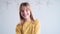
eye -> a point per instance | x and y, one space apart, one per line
22 10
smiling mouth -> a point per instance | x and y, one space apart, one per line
24 15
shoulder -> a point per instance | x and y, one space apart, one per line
18 25
37 21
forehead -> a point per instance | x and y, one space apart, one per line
25 7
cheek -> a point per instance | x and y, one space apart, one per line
28 13
21 14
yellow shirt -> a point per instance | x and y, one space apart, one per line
28 28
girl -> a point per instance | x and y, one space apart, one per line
27 25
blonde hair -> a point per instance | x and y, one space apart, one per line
25 4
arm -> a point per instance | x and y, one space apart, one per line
37 27
18 30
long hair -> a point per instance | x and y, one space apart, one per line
25 4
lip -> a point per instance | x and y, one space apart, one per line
24 15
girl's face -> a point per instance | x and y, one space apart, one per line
25 12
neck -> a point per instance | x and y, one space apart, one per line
28 19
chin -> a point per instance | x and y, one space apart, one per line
26 17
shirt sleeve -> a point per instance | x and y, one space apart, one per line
37 27
18 30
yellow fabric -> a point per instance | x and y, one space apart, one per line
28 28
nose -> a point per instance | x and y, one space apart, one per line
24 11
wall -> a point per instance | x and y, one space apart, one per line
47 11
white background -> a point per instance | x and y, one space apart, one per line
47 11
